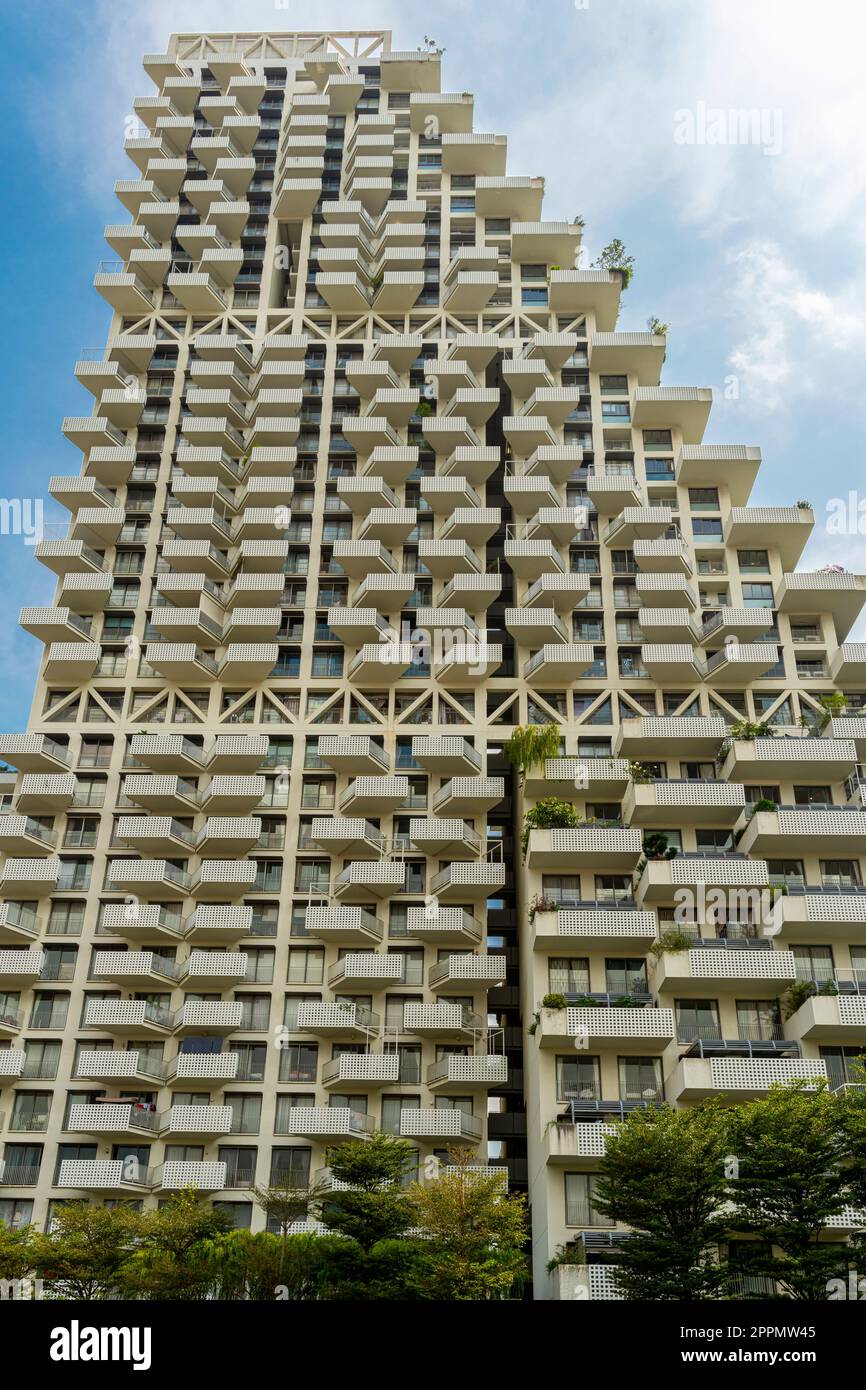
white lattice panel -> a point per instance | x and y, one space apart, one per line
21 962
852 1011
699 794
205 1065
742 965
210 1177
720 873
620 1023
760 1073
817 822
198 1013
199 1119
590 922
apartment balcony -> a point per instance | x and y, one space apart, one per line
233 794
345 926
683 802
561 592
467 664
207 1018
385 592
20 966
10 1021
255 624
662 879
353 753
452 110
839 1019
468 882
467 973
360 558
576 1146
663 557
377 795
686 736
557 524
328 1124
222 836
151 268
515 197
611 493
248 662
637 523
135 921
737 663
526 433
684 408
819 914
446 926
841 596
152 879
134 969
223 878
181 1175
472 592
587 1282
362 495
391 525
470 290
46 792
337 1019
69 557
666 662
526 493
745 1078
127 1018
119 1119
644 1030
612 850
103 1175
558 664
475 463
553 243
125 292
831 830
445 1022
599 926
199 1121
197 557
530 559
167 752
477 525
343 291
445 558
370 1070
21 835
120 1066
742 623
848 664
675 625
23 879
359 881
209 1070
640 355
435 1124
186 625
398 291
578 292
211 432
219 970
450 753
706 465
473 153
350 835
296 197
790 759
85 593
18 923
238 753
180 661
704 971
12 1061
76 492
162 794
786 529
456 1075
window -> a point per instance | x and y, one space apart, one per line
758 1020
640 1078
30 1111
246 1112
625 976
579 1207
578 1078
568 975
306 966
697 1018
299 1062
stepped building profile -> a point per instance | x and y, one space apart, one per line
371 477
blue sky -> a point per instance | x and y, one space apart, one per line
757 259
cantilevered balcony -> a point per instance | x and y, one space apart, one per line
45 792
784 529
22 835
346 926
167 753
613 850
437 1125
595 926
376 795
468 796
840 595
690 737
444 1021
467 664
337 1019
662 879
448 839
329 1123
24 879
127 1018
455 1075
217 970
558 664
704 971
207 1018
120 1066
155 880
145 922
834 831
450 753
208 1070
738 663
353 753
562 592
134 969
684 408
119 1119
643 1030
103 1175
577 292
468 882
446 926
743 1077
790 759
20 966
834 1020
348 835
687 802
359 881
467 973
223 878
369 1070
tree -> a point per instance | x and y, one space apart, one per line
473 1232
663 1174
17 1252
87 1249
170 1259
284 1203
530 746
614 257
787 1186
373 1206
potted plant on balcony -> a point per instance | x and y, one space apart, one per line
549 814
540 903
656 846
673 941
831 707
641 772
656 326
554 1001
616 259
